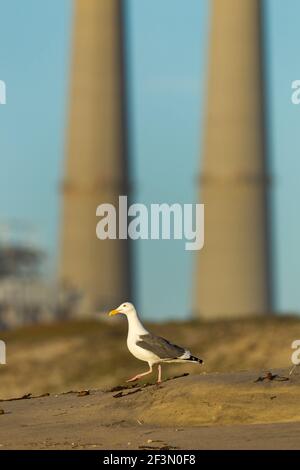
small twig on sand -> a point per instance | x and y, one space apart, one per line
269 377
27 396
121 394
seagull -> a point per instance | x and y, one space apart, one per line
148 347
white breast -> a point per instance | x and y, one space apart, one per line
135 330
139 352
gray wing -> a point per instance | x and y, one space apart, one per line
160 346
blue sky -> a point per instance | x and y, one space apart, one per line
167 46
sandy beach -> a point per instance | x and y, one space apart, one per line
242 410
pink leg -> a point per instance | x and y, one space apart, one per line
136 377
159 374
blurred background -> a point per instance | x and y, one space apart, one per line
165 58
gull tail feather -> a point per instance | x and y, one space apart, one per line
194 359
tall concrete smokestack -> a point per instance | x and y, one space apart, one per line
233 275
96 165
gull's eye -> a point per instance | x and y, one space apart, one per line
124 305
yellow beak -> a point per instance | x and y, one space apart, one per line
113 312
